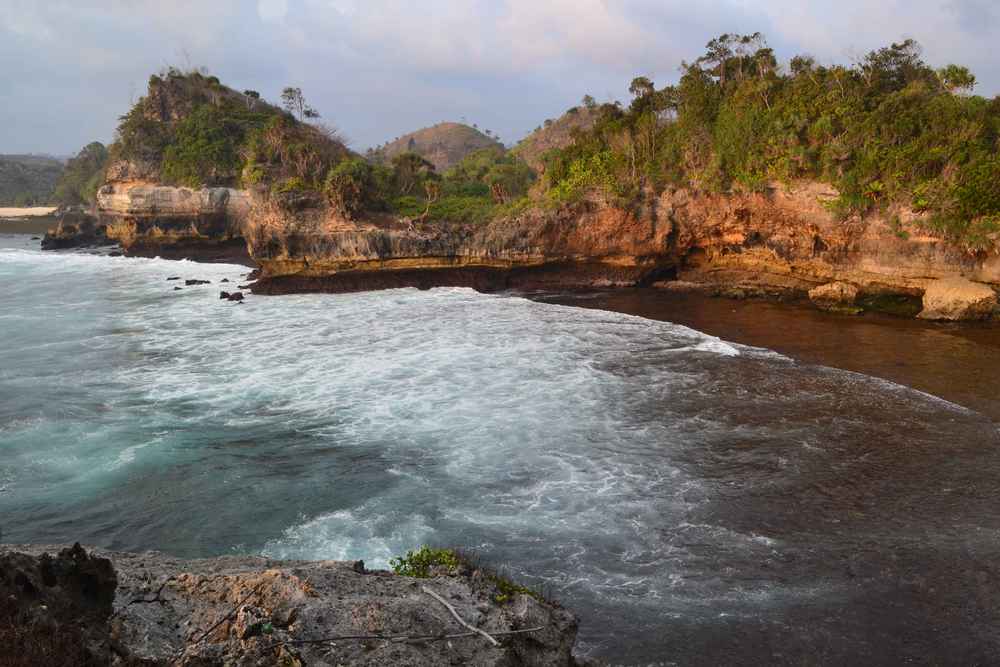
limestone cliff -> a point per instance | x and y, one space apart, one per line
781 242
147 219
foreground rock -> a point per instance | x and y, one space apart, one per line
256 611
957 298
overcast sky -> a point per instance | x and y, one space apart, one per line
380 68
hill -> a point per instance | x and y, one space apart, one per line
444 145
191 130
554 135
28 180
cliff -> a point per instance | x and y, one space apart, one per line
70 607
807 183
783 242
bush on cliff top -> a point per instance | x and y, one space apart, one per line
429 561
888 130
196 132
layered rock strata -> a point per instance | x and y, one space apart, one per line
782 242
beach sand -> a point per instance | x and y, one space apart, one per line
30 212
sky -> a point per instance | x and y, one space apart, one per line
377 69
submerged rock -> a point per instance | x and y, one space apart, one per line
77 229
197 282
958 298
235 296
256 611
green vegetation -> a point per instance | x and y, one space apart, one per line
82 176
28 180
419 563
889 130
196 132
427 561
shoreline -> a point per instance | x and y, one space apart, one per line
956 361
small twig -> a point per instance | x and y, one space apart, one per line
408 638
142 600
457 617
227 616
217 624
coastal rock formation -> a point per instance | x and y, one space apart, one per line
834 296
155 220
255 611
587 245
76 229
55 608
783 241
957 298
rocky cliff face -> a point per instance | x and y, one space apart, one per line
148 219
150 609
782 242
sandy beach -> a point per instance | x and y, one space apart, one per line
29 212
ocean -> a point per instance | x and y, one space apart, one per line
692 500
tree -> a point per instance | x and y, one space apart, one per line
589 102
295 103
641 87
893 67
956 78
82 176
251 97
410 169
718 53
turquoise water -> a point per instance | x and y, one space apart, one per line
688 498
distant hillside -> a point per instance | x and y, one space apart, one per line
27 180
444 145
554 134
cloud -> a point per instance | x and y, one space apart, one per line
379 68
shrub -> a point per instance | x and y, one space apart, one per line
419 563
350 186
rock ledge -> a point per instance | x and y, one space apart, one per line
151 609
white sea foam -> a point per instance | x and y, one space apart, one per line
586 449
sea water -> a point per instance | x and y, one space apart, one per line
692 501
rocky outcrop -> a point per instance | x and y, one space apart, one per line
254 611
155 220
782 242
76 229
957 298
838 296
56 609
588 245
151 220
